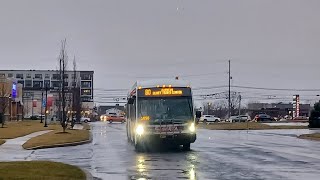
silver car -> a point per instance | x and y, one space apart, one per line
241 118
209 119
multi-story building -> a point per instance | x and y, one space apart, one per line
34 81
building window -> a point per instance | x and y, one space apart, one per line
86 92
73 76
56 76
66 76
28 83
19 76
55 84
46 83
37 84
85 76
2 75
10 75
66 84
86 99
38 76
21 82
86 84
47 76
28 76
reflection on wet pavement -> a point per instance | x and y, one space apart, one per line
272 154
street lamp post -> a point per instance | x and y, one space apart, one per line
45 119
41 105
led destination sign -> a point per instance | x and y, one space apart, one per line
159 92
163 91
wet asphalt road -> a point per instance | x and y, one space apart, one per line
269 154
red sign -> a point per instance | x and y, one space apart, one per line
34 103
49 101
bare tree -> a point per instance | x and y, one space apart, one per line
63 60
219 107
4 102
235 101
76 100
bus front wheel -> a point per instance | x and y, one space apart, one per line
186 147
137 144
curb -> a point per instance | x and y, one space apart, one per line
4 141
88 174
62 145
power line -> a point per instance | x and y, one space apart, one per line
275 89
101 90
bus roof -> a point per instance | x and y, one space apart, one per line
161 82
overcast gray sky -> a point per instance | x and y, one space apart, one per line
272 43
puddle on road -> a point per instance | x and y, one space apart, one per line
164 165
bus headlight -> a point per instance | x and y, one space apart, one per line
192 127
139 130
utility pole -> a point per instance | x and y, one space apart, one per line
45 116
229 96
41 106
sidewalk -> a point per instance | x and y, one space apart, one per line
12 149
78 126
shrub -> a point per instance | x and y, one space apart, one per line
314 119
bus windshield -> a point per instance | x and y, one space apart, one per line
160 109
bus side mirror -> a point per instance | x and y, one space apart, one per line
130 100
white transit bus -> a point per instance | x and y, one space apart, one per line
160 111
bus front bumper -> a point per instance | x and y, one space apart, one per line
178 139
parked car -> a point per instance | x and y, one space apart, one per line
301 118
209 118
241 118
263 117
27 117
35 117
85 119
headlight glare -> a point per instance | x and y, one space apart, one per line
192 127
139 130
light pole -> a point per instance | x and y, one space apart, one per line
10 105
45 116
41 105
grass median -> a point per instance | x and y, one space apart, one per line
314 136
58 138
2 141
40 170
21 128
245 126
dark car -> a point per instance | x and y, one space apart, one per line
262 118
